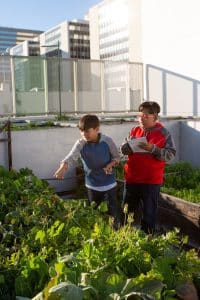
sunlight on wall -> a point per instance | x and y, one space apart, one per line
171 35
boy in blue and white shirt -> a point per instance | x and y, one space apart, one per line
99 155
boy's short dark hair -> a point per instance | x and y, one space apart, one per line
151 106
88 121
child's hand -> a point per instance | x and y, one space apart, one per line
59 174
146 146
108 169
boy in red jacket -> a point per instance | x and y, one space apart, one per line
145 165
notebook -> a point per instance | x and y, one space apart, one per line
134 144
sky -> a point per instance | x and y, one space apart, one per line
42 14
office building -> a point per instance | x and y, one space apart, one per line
115 30
69 39
10 37
116 38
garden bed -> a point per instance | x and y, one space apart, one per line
52 248
176 212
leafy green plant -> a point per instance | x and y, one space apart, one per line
182 180
58 249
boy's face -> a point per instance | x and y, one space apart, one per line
90 135
146 119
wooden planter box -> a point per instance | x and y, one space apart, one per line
176 212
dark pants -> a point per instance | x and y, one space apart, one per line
144 198
109 196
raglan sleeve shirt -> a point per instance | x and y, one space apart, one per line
95 156
73 156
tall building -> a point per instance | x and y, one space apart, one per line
115 30
10 37
116 37
69 39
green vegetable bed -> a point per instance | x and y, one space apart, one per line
65 249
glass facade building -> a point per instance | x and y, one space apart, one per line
10 37
113 30
116 31
115 37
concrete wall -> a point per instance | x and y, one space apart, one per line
190 142
42 149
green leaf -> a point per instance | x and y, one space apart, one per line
40 235
67 258
103 207
65 291
113 296
138 296
114 283
88 248
2 279
52 272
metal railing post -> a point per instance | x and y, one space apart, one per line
59 82
13 86
102 87
75 88
9 147
46 92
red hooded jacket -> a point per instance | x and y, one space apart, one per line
146 167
